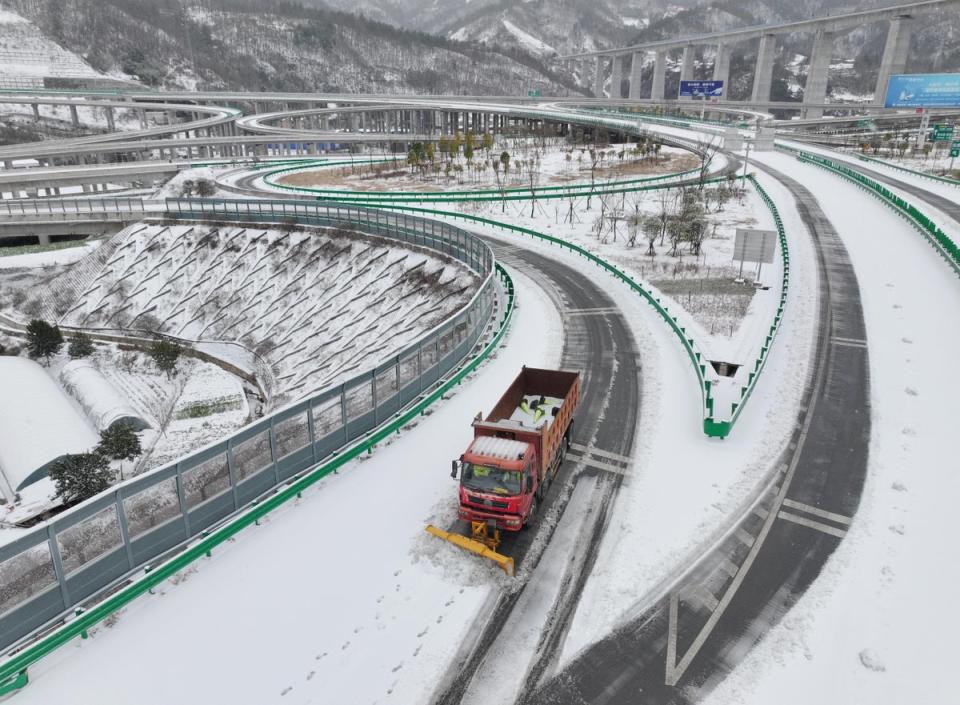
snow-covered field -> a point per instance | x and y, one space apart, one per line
340 597
876 627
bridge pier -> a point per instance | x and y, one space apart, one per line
617 78
721 66
636 68
686 65
763 73
74 117
659 75
598 79
815 90
894 54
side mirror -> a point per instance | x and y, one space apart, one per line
454 467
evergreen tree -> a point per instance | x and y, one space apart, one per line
119 442
43 339
165 354
80 346
79 476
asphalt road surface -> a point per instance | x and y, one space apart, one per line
598 343
677 649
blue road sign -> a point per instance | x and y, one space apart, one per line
923 90
701 89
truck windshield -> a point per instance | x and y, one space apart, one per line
489 478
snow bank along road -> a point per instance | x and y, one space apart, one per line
691 638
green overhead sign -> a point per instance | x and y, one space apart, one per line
942 133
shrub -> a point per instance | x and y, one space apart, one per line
80 346
77 477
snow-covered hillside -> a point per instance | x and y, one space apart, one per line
272 45
314 305
27 57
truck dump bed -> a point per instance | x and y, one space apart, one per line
537 408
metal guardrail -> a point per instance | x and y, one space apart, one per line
13 672
75 556
723 427
908 170
577 190
101 207
942 242
715 423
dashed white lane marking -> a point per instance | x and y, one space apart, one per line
819 526
704 597
600 453
849 342
816 511
728 567
744 538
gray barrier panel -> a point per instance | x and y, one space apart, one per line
57 565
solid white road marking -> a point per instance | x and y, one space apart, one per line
675 671
672 640
591 311
849 342
601 453
816 511
825 528
597 464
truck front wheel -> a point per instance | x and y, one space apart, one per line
534 505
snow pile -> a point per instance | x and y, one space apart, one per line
100 400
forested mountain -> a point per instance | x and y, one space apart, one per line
278 45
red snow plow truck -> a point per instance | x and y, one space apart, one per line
514 456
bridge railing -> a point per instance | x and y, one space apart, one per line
75 206
72 558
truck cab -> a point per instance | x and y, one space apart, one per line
517 449
499 482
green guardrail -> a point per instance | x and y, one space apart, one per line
942 242
711 427
523 193
668 120
760 362
385 199
908 170
13 672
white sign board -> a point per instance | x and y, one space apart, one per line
754 245
764 139
732 140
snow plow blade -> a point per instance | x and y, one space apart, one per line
481 549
